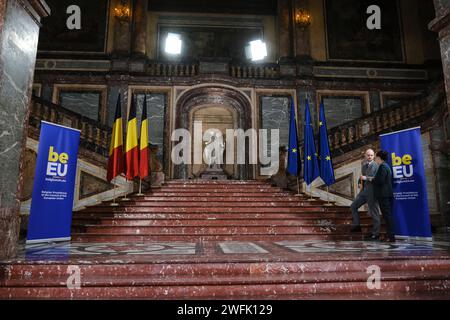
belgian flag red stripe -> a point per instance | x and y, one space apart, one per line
143 145
131 144
115 160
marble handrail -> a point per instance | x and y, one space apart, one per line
172 69
263 71
94 136
362 131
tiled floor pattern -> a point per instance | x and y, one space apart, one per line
58 251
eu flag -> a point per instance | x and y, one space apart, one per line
294 164
326 165
311 171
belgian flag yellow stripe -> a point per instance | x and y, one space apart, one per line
132 137
116 136
144 135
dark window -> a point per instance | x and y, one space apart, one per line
350 39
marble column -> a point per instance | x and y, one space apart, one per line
122 33
285 28
140 27
301 35
441 25
19 32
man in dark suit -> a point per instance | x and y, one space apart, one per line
382 188
368 170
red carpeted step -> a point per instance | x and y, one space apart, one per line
407 289
229 265
214 207
204 229
212 221
92 237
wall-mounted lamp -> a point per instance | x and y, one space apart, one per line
122 11
302 18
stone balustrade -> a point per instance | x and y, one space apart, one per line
94 136
169 69
343 138
411 112
263 71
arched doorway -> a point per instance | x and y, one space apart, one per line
222 107
217 117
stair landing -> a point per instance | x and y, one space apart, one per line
314 269
224 240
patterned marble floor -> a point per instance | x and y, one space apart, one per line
228 251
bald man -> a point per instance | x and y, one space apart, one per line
368 170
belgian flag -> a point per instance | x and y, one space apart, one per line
116 160
131 144
143 143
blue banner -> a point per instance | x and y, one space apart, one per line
54 182
411 215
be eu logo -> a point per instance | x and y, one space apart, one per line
402 166
57 163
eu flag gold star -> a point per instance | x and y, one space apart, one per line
309 157
320 123
328 158
294 150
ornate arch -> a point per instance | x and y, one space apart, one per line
213 95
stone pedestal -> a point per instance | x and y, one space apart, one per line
214 173
19 32
441 25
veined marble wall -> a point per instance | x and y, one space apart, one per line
275 115
339 110
156 106
84 103
19 32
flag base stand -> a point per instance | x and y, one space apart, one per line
140 194
298 188
311 196
114 203
328 204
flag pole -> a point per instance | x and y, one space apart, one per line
298 187
328 199
310 194
114 204
140 194
126 196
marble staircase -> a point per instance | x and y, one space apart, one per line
210 274
213 211
222 240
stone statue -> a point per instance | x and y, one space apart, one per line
214 150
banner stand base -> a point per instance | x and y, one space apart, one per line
114 204
50 240
414 238
139 195
125 199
